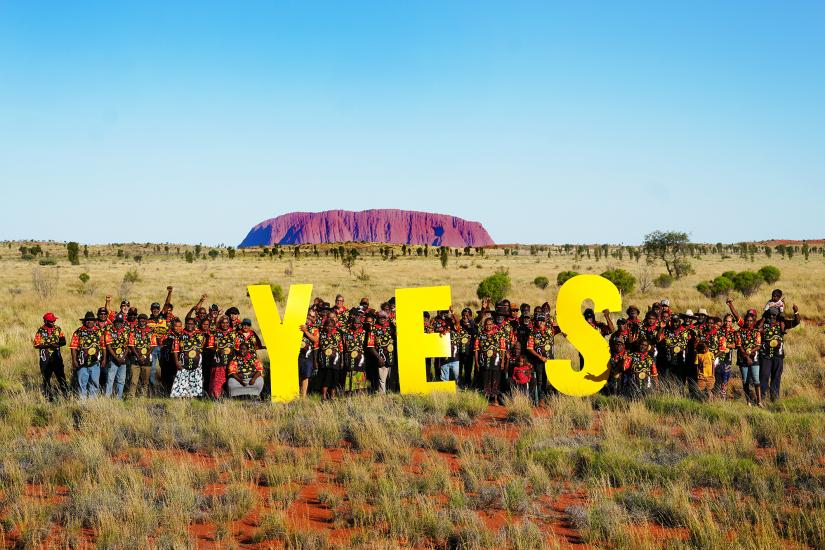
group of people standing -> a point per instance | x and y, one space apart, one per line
125 352
497 349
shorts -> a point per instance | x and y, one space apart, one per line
705 383
305 367
328 378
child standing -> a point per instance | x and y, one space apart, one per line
704 370
522 374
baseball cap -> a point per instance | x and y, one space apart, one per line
154 305
247 321
49 316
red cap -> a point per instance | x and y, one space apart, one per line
49 316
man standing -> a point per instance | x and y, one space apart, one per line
48 340
117 350
540 349
142 342
88 352
464 336
772 352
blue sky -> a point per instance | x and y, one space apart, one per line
586 122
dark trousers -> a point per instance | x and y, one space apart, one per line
491 383
53 366
770 375
465 369
540 370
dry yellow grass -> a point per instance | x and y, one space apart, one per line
415 471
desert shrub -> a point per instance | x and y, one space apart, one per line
682 408
720 286
233 504
524 535
564 276
747 282
623 280
277 291
671 508
603 521
519 408
541 282
272 526
663 281
619 469
769 274
47 261
131 276
445 442
555 461
514 496
729 274
495 287
469 403
84 278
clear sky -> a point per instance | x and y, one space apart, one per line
586 122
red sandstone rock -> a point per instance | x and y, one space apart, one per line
381 225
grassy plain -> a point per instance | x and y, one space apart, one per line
401 471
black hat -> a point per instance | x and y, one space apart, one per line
540 317
118 319
154 305
233 311
89 317
589 313
247 322
503 309
214 307
466 310
125 303
102 310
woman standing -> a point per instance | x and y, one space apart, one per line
188 355
355 339
330 351
223 343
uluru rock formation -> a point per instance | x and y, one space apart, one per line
380 225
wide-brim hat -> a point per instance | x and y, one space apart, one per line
702 311
632 308
90 316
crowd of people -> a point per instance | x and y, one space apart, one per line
498 349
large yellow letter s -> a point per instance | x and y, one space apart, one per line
584 338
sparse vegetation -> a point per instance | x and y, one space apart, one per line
399 471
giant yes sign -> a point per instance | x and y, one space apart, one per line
283 337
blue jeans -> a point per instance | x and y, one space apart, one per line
447 368
155 365
88 381
115 374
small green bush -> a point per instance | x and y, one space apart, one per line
495 287
541 282
564 276
131 276
663 281
720 286
747 282
623 280
277 291
769 274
